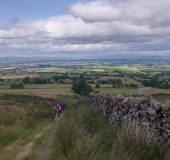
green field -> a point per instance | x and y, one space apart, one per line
41 90
107 88
18 76
53 69
110 90
54 90
48 86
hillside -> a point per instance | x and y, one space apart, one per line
82 133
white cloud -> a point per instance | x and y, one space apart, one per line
101 25
96 11
134 11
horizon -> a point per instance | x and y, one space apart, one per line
95 29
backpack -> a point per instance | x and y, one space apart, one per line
62 106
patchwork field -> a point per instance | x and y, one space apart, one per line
18 76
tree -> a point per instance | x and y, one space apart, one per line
154 82
65 76
116 83
55 78
16 86
26 80
81 76
97 85
81 87
39 80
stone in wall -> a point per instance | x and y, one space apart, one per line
143 111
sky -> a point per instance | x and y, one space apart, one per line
85 28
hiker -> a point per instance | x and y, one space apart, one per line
58 109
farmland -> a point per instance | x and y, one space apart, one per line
17 76
56 77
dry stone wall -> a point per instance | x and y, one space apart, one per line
143 111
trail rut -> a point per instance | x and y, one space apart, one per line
27 149
45 154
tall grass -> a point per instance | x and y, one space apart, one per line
134 142
18 119
84 134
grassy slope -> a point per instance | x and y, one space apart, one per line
21 118
24 117
85 134
43 145
82 132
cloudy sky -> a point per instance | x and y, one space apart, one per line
85 28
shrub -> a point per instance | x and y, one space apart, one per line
81 87
17 86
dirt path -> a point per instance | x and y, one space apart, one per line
27 149
45 154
